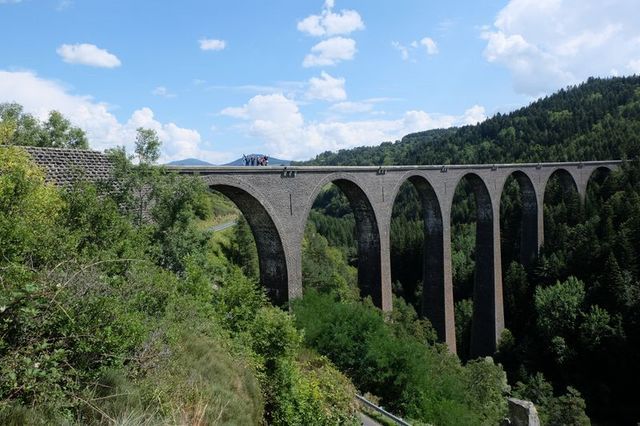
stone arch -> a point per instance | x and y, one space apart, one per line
603 170
568 181
529 228
367 234
271 254
434 297
596 175
487 321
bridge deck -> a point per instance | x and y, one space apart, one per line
279 169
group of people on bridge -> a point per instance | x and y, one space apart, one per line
255 160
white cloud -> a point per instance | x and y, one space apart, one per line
38 96
330 52
163 92
278 121
329 23
212 44
548 44
326 88
87 54
430 45
351 107
473 115
404 50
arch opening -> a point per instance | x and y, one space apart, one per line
598 190
417 260
272 264
519 220
474 277
519 247
343 215
562 210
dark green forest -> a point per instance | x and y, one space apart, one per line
573 315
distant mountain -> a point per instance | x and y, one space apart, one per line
189 162
272 161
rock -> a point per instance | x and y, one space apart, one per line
522 413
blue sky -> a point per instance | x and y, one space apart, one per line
293 78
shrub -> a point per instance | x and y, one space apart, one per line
415 380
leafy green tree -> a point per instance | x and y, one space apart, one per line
20 128
59 133
147 145
559 306
243 251
325 268
418 381
569 409
463 317
487 385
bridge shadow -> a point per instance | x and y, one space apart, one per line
417 261
519 247
562 210
598 190
271 256
472 219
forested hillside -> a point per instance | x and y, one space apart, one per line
596 120
110 315
572 316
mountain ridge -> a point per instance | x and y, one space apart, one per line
189 162
596 120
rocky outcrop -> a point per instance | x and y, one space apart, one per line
522 413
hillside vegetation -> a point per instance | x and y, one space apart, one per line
572 316
110 315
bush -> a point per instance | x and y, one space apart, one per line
108 318
567 409
412 379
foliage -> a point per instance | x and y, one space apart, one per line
463 310
301 388
29 212
147 145
590 330
113 309
418 381
20 128
567 409
325 268
242 251
558 307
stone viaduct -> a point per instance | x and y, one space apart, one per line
276 202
